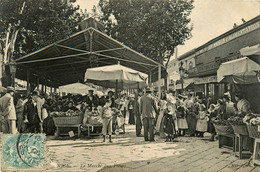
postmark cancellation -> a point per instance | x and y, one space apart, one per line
23 152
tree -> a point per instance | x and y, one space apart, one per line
27 25
151 27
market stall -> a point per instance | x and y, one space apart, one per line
244 74
118 77
66 61
69 119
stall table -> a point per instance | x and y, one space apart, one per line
66 126
92 125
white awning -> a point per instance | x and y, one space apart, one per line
186 83
241 70
205 80
248 51
75 88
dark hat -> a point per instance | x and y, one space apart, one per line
148 90
239 95
10 89
108 101
226 97
35 93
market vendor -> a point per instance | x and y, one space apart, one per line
111 97
91 99
243 106
70 107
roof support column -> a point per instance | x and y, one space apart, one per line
28 82
45 86
159 80
91 41
150 79
37 82
167 81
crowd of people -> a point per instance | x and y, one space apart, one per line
171 116
21 114
178 115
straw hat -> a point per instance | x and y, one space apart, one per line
170 99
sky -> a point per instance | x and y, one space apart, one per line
210 18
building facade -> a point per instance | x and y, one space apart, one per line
201 64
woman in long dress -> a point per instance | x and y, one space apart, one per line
212 114
159 123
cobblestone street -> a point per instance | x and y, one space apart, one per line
130 153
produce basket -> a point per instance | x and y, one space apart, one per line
72 120
224 129
253 131
240 129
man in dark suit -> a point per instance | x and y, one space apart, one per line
138 121
91 99
148 111
33 113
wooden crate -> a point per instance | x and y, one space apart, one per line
240 129
72 120
253 131
224 130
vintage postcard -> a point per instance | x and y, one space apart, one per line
130 85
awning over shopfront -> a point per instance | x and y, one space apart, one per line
186 83
239 71
205 80
248 51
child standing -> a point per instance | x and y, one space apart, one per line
170 122
106 115
202 124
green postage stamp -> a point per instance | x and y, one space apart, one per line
23 152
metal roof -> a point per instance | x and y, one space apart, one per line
66 61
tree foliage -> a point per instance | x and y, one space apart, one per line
28 25
152 27
42 22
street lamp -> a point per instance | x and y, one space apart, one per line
182 71
13 67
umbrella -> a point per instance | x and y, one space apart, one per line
116 76
75 88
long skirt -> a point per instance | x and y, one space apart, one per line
211 128
202 125
131 117
182 123
169 126
192 122
158 127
